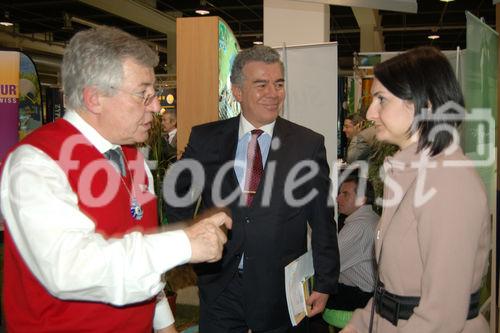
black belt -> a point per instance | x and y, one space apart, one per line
394 307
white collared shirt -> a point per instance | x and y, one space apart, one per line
244 137
240 158
40 208
246 127
171 135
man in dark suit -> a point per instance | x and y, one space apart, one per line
169 126
271 207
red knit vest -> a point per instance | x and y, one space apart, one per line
29 307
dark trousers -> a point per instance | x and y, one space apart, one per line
227 314
348 298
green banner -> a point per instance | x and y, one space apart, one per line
480 89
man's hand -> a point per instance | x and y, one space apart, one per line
168 329
318 302
349 329
207 237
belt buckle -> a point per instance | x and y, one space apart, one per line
379 290
389 308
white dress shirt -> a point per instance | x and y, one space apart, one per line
244 137
240 159
59 243
171 135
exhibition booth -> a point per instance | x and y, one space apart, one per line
317 97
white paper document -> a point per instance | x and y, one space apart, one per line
298 276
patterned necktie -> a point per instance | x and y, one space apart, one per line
254 169
115 156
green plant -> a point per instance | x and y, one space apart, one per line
382 150
160 164
157 147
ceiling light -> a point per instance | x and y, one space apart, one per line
446 0
434 34
202 9
258 42
6 21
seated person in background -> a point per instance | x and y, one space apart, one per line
360 140
356 239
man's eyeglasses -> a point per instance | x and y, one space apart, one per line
146 99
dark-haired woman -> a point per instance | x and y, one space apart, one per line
433 238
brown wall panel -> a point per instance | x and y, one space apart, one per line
197 74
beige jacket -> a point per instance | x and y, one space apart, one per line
435 242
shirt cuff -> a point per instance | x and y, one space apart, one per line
163 315
172 248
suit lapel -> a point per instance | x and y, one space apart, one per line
281 132
405 180
228 139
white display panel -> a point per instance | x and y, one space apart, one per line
311 83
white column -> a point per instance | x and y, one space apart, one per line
370 37
295 22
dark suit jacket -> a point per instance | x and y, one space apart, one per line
170 149
270 236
